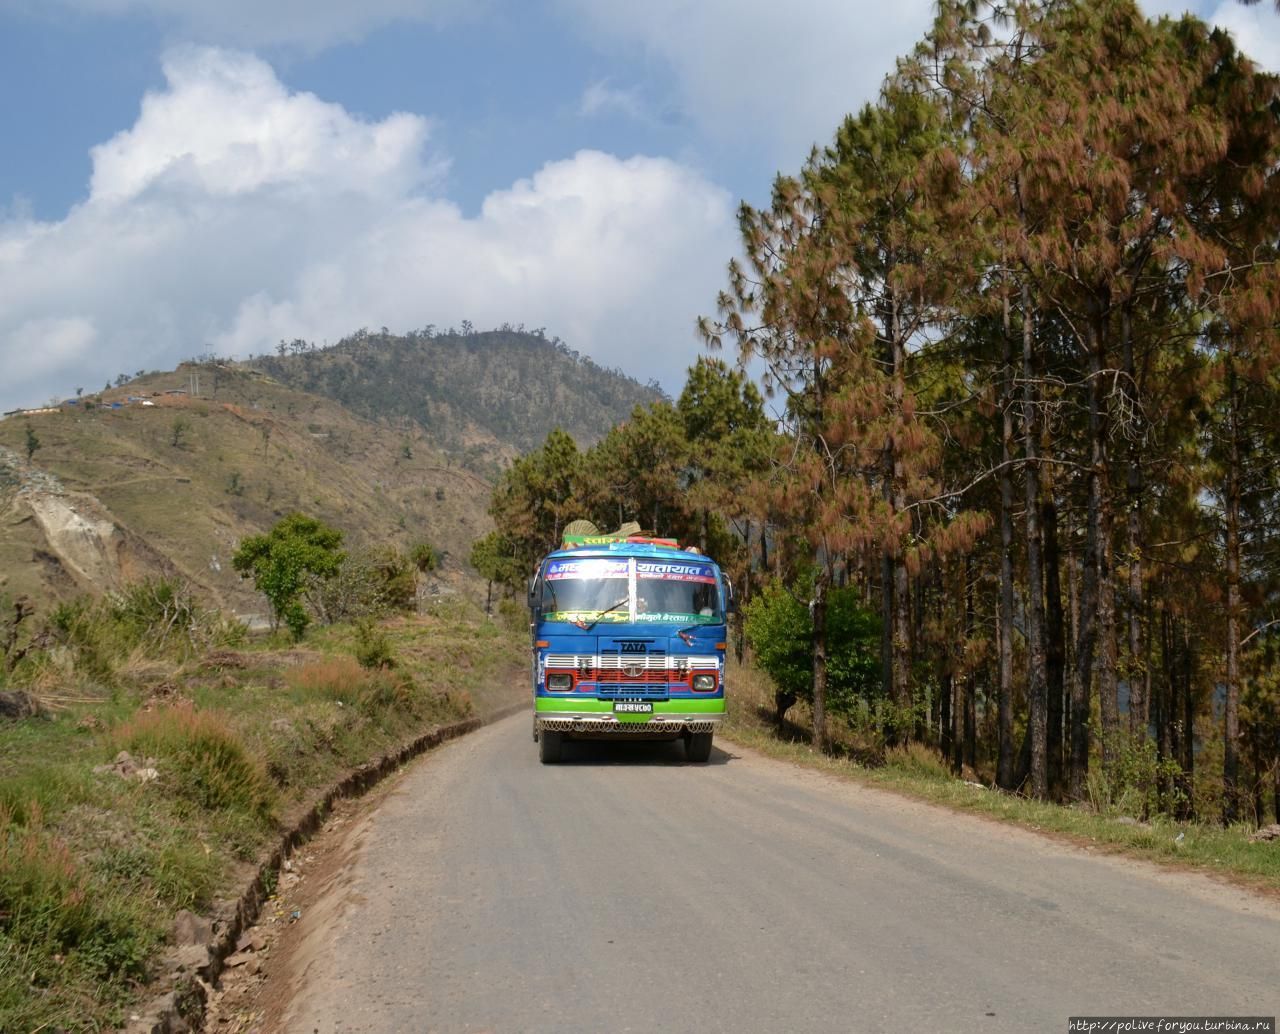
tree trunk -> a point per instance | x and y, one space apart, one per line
1055 644
1231 713
1108 689
969 713
901 584
782 703
902 649
886 622
946 739
1105 588
1275 774
1188 721
820 659
1005 759
927 708
1138 674
942 708
1162 700
1037 691
1086 627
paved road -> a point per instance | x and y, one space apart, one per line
627 891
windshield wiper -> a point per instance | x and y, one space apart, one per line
587 628
684 635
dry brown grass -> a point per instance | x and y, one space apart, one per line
201 757
335 677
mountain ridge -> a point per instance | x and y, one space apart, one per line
509 385
166 472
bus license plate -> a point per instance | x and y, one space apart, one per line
632 707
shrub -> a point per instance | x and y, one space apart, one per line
158 616
1136 781
384 691
919 760
780 630
368 582
425 557
201 759
373 647
162 615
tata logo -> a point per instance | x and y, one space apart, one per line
632 670
632 647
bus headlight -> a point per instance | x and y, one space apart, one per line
704 683
559 682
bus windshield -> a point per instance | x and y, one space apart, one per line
593 590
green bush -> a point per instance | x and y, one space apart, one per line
780 630
280 563
425 557
372 646
1135 781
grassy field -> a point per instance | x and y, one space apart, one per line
227 743
919 772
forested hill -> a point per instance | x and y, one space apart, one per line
512 384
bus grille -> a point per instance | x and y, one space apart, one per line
633 691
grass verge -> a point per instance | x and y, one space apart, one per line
920 773
99 850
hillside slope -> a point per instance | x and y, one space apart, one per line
470 391
110 495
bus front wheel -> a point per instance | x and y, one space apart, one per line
549 746
697 746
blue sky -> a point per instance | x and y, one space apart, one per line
190 174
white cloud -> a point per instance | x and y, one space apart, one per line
777 76
191 138
234 213
601 98
51 344
310 24
1256 30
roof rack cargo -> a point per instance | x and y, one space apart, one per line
578 541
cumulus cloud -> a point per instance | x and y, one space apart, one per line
234 213
309 24
777 76
226 126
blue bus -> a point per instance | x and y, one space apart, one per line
628 642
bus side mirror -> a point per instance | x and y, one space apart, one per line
730 600
533 594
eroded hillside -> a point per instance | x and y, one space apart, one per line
112 494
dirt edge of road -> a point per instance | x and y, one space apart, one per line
182 1007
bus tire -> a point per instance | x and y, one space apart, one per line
697 746
549 746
